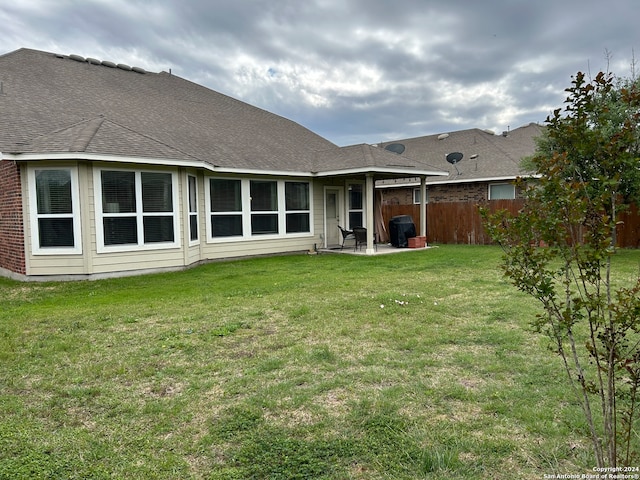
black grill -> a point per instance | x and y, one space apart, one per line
401 228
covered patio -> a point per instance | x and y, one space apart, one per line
379 249
368 164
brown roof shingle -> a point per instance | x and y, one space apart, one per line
48 99
58 104
485 155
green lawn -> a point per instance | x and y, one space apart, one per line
415 365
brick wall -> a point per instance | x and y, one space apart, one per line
460 192
11 221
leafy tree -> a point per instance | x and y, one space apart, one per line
559 249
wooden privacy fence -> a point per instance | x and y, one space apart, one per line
460 222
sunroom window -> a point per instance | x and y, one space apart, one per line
297 207
193 208
55 210
226 207
264 207
246 208
137 209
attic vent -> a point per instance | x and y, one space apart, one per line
77 58
109 64
475 155
443 136
490 132
93 61
124 67
138 70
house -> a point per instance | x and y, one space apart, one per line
109 170
485 170
481 167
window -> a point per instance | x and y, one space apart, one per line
416 196
356 212
502 191
246 208
226 207
264 207
193 208
137 209
54 202
297 210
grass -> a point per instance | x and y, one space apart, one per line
420 365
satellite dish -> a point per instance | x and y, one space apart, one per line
453 158
395 148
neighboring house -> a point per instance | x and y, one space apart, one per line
489 165
481 168
108 170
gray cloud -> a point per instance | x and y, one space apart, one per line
352 70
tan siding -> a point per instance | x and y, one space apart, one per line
137 260
56 265
130 261
257 247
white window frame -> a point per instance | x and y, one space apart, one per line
139 214
356 210
244 206
501 184
416 193
246 212
36 249
195 213
277 213
285 212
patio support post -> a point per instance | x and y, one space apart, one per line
371 224
423 206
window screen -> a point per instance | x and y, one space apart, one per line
54 208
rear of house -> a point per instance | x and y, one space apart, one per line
109 170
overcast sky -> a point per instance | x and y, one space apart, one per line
353 71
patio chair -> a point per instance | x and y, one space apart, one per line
360 234
345 235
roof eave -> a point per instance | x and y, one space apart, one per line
387 171
75 156
483 179
60 156
390 171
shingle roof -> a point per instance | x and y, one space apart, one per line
485 155
48 101
59 104
363 155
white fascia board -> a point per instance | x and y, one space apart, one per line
486 179
399 185
254 171
409 172
33 157
449 182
